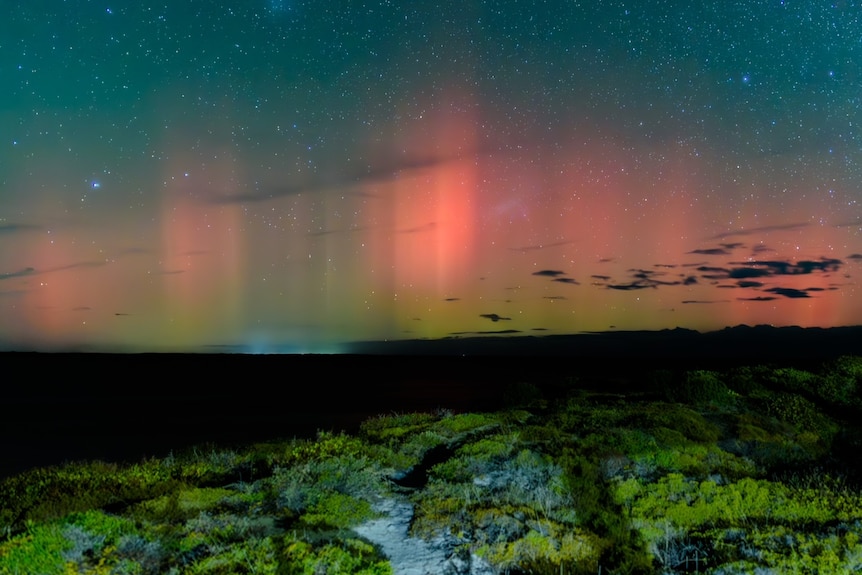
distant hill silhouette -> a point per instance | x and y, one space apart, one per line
741 343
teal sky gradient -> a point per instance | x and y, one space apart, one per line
265 175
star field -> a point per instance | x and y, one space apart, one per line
286 175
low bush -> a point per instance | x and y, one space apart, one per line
348 556
699 388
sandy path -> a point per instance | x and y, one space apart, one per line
412 555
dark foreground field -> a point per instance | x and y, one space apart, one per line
124 407
630 453
67 406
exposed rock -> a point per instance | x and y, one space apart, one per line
415 556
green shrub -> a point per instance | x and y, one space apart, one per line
337 510
841 381
85 541
350 556
802 414
39 550
326 446
257 555
300 488
44 494
182 503
796 380
659 417
747 380
699 387
384 428
849 366
463 422
550 548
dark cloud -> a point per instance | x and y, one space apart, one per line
496 332
18 274
571 281
651 275
631 286
549 273
133 252
854 257
494 317
641 279
452 299
747 274
761 230
732 245
77 265
714 270
17 228
792 293
777 267
752 272
711 252
354 177
822 265
32 271
554 297
766 268
758 298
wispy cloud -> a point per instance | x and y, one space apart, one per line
549 273
9 229
540 246
494 317
30 271
352 177
788 292
711 252
19 274
761 230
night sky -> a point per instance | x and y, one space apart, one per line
285 175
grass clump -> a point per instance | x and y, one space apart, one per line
350 555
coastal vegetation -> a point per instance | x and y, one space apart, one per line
750 469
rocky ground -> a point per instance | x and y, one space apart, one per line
413 555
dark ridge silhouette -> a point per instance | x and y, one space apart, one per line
761 343
123 407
